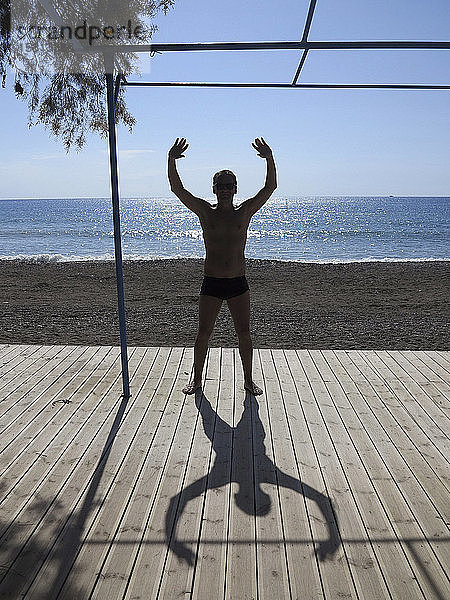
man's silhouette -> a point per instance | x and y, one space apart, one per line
225 234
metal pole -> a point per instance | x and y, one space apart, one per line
109 62
297 45
309 18
289 86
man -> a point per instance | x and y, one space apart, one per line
225 234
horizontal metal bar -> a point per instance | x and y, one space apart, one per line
394 86
298 45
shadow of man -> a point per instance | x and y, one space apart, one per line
248 446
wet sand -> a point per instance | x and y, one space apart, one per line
294 305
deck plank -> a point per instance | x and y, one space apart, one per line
429 382
273 580
43 414
393 482
341 581
354 493
210 572
436 358
429 364
301 555
14 361
83 495
35 392
22 373
425 492
7 348
177 577
129 452
163 528
415 375
23 476
414 400
241 570
437 377
131 531
409 438
333 484
60 494
9 351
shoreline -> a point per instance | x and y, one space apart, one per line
43 259
351 305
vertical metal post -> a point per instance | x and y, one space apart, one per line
109 66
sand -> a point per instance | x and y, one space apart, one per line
294 305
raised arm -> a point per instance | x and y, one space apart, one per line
197 205
252 205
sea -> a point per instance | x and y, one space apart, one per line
305 229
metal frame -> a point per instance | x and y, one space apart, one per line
304 44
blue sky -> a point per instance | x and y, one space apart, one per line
326 142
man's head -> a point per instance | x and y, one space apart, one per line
224 184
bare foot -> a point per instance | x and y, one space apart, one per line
253 388
191 387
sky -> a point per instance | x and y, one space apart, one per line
325 142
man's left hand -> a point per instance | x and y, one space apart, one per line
262 148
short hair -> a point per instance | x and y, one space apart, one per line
224 172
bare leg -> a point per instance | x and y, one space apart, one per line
240 311
209 307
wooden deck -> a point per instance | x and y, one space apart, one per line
334 484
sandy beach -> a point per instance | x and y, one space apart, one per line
294 305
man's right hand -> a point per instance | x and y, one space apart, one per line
178 148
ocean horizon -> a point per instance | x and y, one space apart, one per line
321 229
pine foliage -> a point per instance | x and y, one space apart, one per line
68 105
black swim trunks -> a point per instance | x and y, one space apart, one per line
224 287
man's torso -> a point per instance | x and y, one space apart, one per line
225 235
